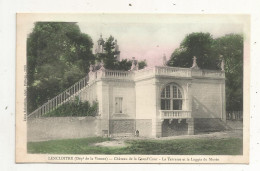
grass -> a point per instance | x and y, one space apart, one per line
228 146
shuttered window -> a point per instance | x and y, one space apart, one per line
118 104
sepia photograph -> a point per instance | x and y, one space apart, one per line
132 88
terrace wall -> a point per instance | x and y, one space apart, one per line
50 128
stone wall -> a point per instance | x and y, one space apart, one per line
89 93
209 125
126 91
122 126
49 128
174 127
127 127
146 99
144 126
207 99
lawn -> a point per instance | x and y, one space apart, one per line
228 146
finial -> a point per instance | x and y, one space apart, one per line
195 65
164 60
102 65
133 64
91 68
222 65
137 66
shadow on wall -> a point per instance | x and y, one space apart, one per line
200 110
206 120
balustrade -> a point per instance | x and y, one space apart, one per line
128 75
173 71
60 99
174 114
156 71
208 73
118 74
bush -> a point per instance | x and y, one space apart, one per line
75 108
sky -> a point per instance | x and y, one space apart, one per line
147 36
150 37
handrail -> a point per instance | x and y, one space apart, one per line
60 99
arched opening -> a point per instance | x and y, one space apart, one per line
171 98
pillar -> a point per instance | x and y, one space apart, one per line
157 128
189 97
223 96
190 126
103 104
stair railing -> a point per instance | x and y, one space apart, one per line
60 99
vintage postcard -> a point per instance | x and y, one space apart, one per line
132 88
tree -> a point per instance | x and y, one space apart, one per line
126 64
142 64
58 55
208 52
231 48
109 57
194 44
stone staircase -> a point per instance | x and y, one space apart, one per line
64 97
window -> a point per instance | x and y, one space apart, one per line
171 98
118 104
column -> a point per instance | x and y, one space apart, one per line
189 98
103 104
190 121
157 121
157 128
223 92
190 126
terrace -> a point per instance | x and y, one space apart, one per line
155 72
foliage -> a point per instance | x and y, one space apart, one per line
58 55
126 64
208 52
74 108
228 146
194 44
109 57
142 64
231 48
